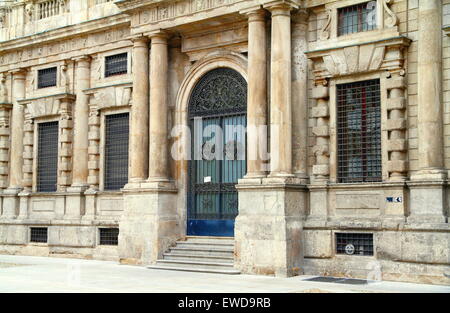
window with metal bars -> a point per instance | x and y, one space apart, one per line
357 18
354 243
109 236
47 158
358 132
116 64
47 77
38 234
116 151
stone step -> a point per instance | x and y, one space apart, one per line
194 245
209 240
203 251
196 257
189 269
195 264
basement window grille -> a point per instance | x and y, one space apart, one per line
357 18
116 151
39 234
359 133
109 236
354 244
47 158
47 77
116 64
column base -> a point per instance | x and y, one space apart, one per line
149 224
11 203
268 229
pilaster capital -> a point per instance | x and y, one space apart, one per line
82 59
19 73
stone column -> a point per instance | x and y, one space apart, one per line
15 181
81 121
280 93
427 185
257 93
11 200
139 112
430 109
158 140
300 95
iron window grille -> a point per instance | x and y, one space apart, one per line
116 151
358 132
39 234
116 64
47 158
47 77
354 244
109 236
357 18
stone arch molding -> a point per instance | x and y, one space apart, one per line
208 63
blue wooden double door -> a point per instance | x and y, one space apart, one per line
217 113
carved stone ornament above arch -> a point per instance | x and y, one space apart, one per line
384 55
47 105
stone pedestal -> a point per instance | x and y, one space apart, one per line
149 224
10 203
427 202
268 229
75 203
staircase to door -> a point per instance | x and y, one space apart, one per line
200 254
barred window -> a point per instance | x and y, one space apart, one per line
47 77
354 244
358 132
109 236
357 18
116 64
39 234
47 158
116 151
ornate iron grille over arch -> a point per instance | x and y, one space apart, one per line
220 99
211 95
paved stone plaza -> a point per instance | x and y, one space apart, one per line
39 274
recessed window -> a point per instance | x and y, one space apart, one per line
38 234
116 64
109 236
354 243
116 151
357 18
359 132
47 157
47 77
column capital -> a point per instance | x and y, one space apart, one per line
158 36
282 7
256 13
139 39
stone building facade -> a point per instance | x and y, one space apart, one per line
349 100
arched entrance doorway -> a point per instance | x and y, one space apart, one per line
217 118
